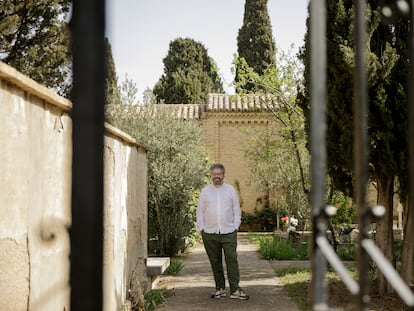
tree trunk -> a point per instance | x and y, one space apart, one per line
384 233
408 244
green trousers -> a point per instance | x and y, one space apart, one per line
215 244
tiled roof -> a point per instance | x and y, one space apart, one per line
215 103
184 111
250 102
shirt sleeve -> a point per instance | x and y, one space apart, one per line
200 212
236 210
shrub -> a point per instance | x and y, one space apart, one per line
153 298
347 252
175 266
280 249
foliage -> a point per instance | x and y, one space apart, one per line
112 95
189 74
347 253
176 265
345 213
177 169
255 44
34 39
128 91
277 155
386 67
277 248
153 299
248 218
344 216
386 85
148 97
263 219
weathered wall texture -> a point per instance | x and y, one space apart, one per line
125 218
35 183
35 201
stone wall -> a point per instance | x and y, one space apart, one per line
35 202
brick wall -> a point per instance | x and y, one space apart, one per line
228 121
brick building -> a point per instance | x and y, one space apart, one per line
227 123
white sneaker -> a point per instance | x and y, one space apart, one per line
239 294
218 293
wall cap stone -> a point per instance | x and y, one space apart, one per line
124 136
13 76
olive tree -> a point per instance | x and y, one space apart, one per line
177 169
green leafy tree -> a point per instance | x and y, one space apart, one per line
387 104
34 39
274 171
177 169
112 94
255 43
189 74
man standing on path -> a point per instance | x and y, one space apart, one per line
219 218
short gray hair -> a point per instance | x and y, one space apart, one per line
217 165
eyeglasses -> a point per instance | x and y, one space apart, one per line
217 174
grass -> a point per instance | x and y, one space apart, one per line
297 282
175 266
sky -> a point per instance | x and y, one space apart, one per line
140 32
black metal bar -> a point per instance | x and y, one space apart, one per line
411 113
318 93
86 233
361 148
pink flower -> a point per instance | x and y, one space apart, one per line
285 219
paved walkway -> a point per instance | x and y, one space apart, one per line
190 289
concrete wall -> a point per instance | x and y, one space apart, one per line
35 202
125 218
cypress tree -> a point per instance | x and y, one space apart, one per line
255 43
112 94
189 74
387 119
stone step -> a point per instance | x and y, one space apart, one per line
157 265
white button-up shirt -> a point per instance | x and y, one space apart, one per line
218 209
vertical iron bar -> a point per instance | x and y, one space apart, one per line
411 113
86 233
318 69
361 148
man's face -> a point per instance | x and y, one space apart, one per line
217 176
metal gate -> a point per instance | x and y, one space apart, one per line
322 250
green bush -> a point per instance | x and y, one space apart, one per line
280 249
347 252
175 266
153 298
264 219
